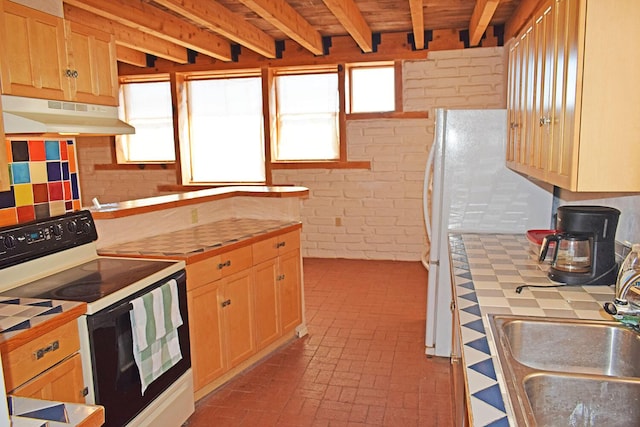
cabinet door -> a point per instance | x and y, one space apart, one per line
289 290
92 59
33 53
561 167
266 303
63 383
4 165
205 331
237 306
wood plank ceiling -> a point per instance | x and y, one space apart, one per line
180 30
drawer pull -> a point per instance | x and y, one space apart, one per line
39 354
280 245
226 303
280 277
224 264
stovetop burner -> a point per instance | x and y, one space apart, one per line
90 281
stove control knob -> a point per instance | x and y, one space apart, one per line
72 226
9 242
57 230
85 227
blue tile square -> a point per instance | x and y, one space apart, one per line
75 189
481 344
20 173
52 150
485 367
7 199
476 325
65 171
54 171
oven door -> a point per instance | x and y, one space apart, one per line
115 374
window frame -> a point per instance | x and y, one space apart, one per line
145 78
177 79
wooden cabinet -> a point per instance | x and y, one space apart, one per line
47 367
44 56
205 333
277 287
5 184
242 302
62 383
572 96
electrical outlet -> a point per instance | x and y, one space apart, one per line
194 216
338 222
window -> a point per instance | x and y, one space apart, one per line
226 131
146 105
371 88
306 116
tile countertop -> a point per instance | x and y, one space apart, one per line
203 240
487 270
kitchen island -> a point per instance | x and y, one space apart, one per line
487 269
241 248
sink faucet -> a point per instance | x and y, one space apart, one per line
620 306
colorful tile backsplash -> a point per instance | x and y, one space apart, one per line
44 180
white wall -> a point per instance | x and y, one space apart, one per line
627 203
380 210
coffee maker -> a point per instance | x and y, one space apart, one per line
584 246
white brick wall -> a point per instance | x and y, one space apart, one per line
380 210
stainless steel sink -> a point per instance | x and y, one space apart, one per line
558 400
569 372
574 346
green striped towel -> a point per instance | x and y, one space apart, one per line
154 325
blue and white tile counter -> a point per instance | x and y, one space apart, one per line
487 270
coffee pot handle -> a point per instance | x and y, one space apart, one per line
545 245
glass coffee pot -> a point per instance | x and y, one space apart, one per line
573 252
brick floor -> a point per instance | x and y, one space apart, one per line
362 364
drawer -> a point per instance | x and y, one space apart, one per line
29 360
274 246
236 260
203 272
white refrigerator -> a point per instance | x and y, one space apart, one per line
468 188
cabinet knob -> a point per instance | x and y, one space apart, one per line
224 264
226 303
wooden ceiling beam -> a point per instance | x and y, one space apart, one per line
520 16
282 16
129 37
480 18
221 20
131 56
151 20
417 22
352 20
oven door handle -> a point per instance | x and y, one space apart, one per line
121 309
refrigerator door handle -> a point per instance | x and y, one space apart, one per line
425 190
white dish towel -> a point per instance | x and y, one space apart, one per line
155 318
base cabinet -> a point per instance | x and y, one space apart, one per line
252 300
61 383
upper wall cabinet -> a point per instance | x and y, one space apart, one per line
4 165
574 115
44 56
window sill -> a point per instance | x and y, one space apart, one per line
132 166
323 165
389 115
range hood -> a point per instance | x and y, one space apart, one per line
31 115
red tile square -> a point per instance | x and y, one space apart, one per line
26 213
40 193
36 151
55 191
63 150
